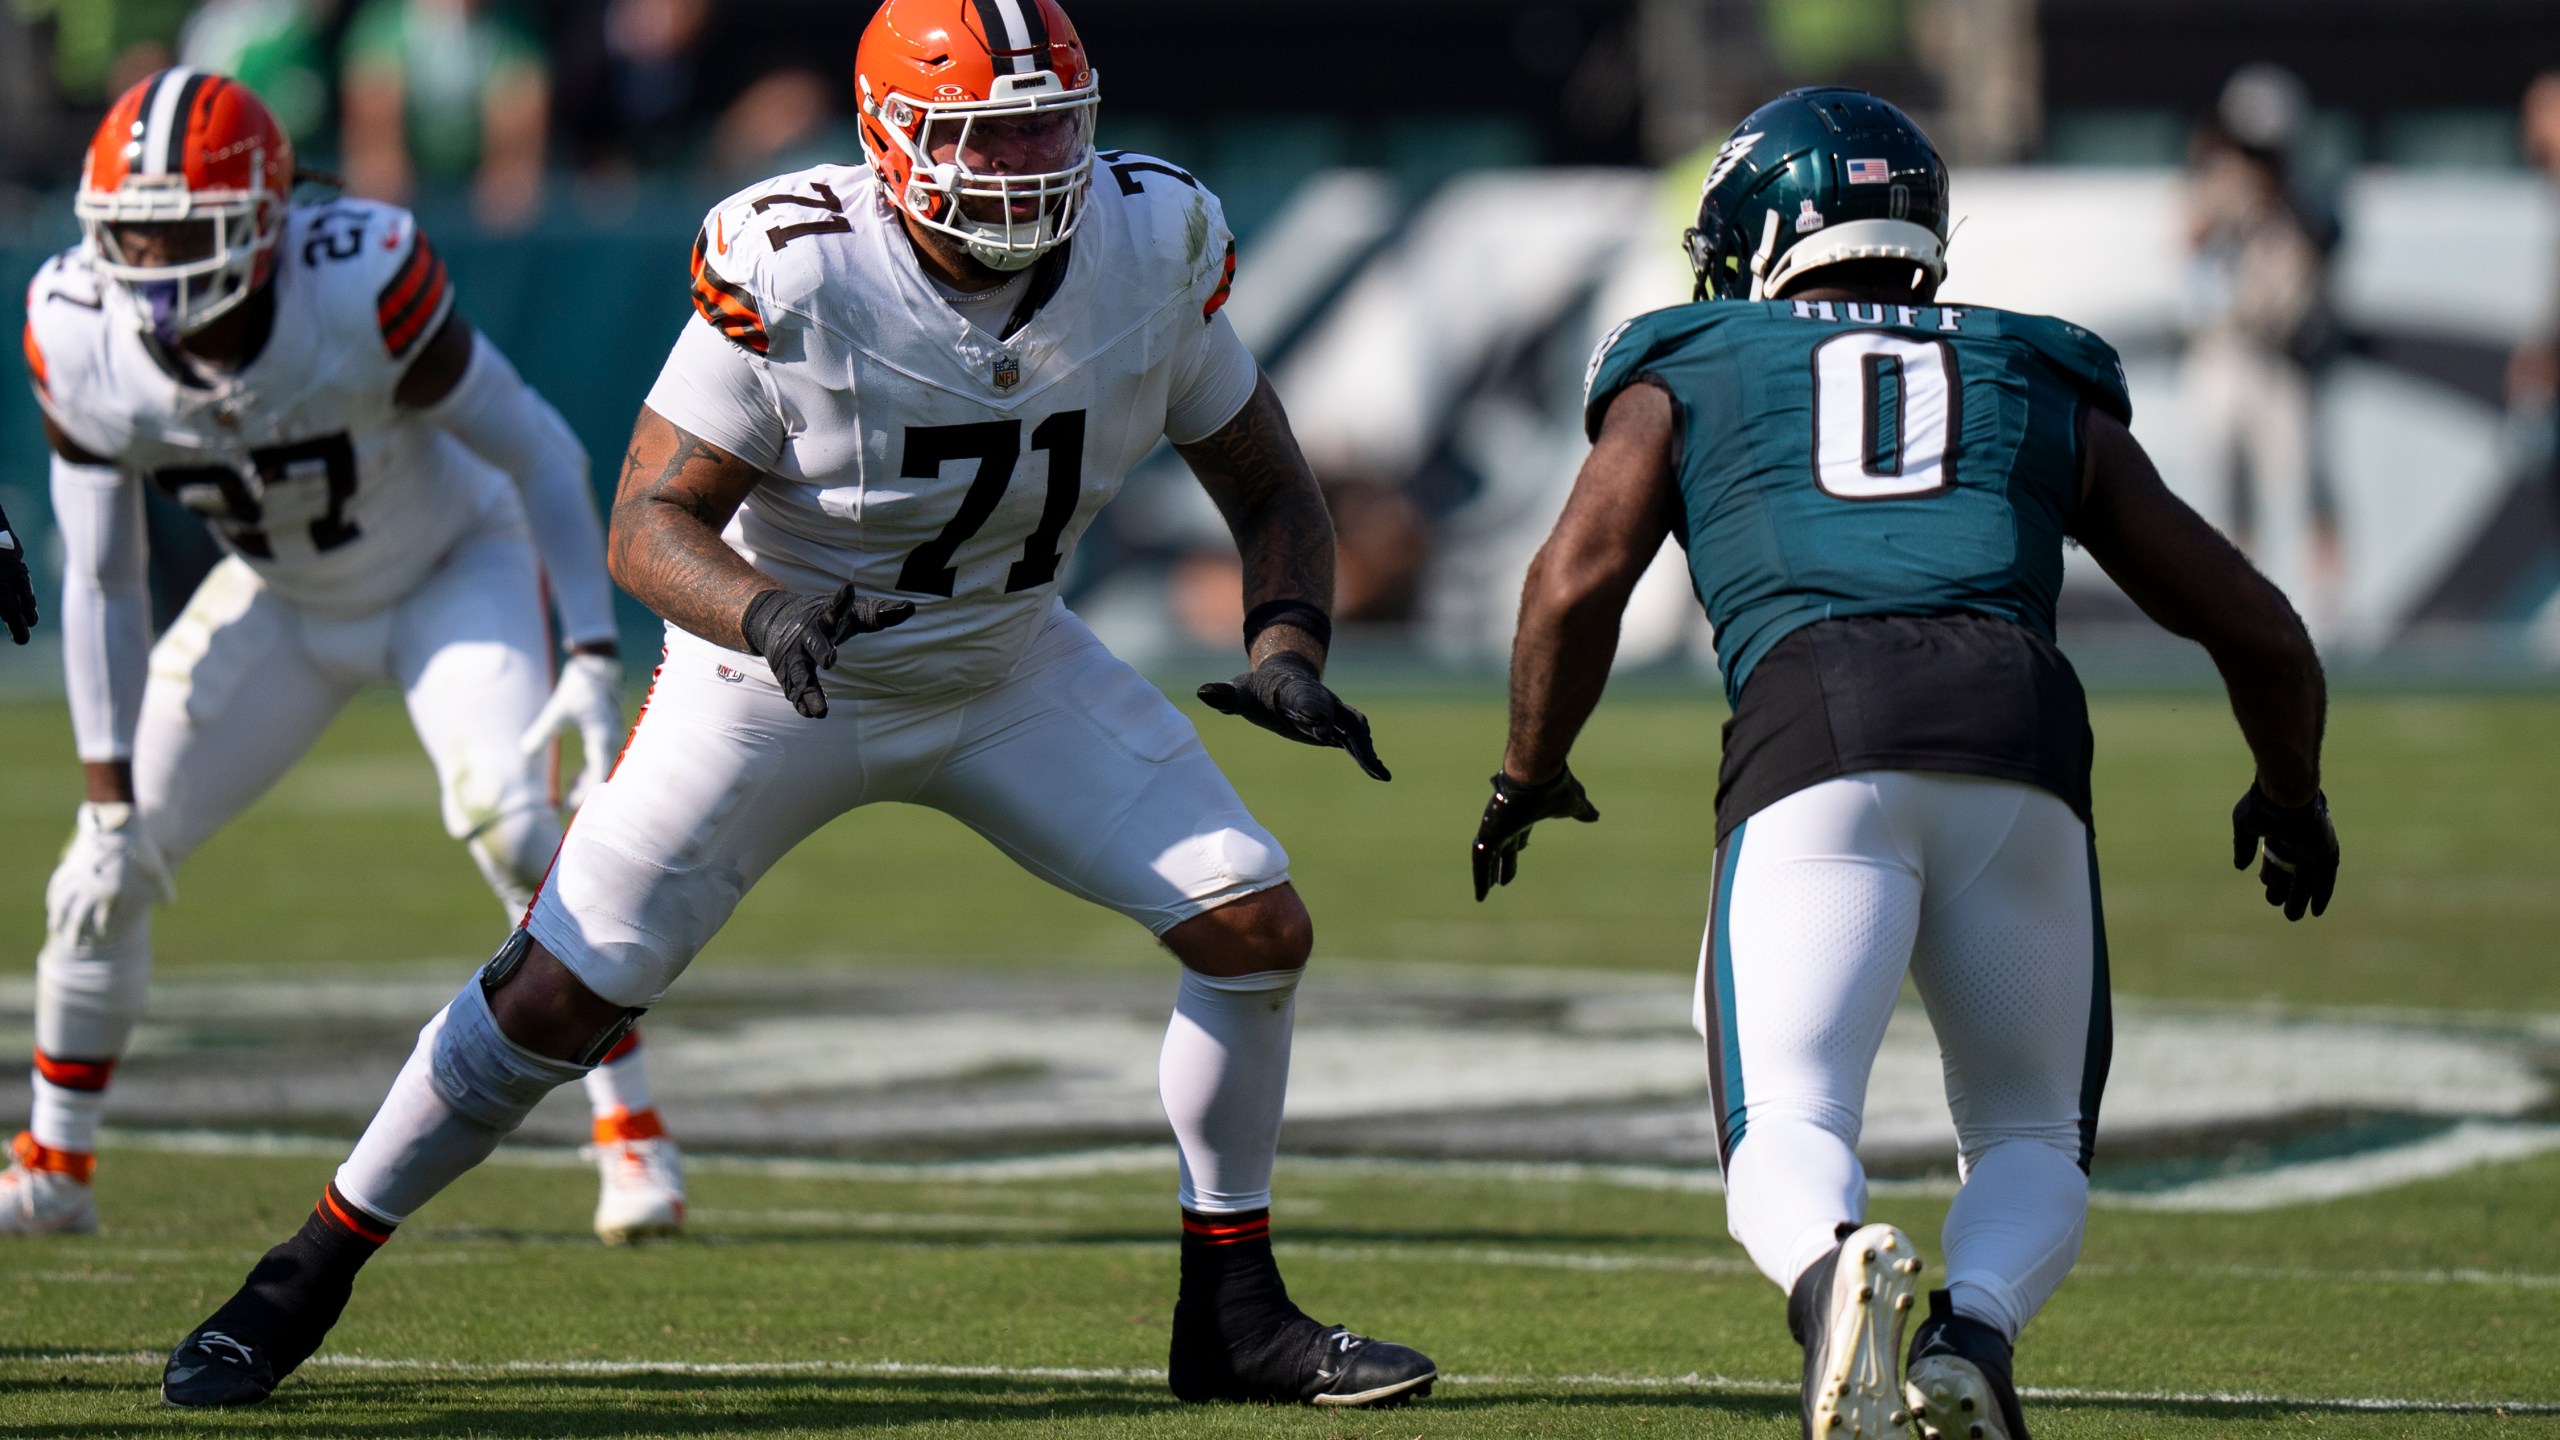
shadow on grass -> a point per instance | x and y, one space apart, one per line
518 1407
506 1407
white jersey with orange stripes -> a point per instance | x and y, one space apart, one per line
918 454
341 500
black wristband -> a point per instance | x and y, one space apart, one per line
759 613
1288 612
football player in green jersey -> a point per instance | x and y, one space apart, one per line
1874 489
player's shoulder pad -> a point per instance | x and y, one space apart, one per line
1627 351
748 273
70 314
374 268
66 317
2090 365
1173 227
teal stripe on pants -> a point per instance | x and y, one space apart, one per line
1724 1036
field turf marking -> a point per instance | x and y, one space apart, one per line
1711 1384
2465 1146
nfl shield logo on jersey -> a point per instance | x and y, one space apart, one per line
1008 371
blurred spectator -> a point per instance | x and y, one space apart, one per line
630 82
2533 374
278 48
102 47
785 121
2261 326
443 92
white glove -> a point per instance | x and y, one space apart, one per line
109 866
588 699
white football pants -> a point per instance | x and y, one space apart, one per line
241 686
1985 893
1074 766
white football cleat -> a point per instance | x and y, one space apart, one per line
1847 1312
47 1192
641 1190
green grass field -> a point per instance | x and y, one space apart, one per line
1556 1305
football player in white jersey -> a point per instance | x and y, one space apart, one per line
392 497
909 388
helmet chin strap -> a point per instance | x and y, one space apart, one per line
1761 257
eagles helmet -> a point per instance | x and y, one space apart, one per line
1818 176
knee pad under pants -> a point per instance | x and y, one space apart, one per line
486 1077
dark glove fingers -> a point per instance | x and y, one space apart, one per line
2321 889
1220 696
800 684
1356 739
2244 841
1511 860
1583 810
1480 860
871 616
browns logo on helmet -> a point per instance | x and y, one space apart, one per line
183 197
978 117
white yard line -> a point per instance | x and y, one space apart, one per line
1334 1252
2469 1144
1710 1384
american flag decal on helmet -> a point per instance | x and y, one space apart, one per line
1869 172
723 304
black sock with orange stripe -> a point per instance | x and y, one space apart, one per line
296 1292
1232 1308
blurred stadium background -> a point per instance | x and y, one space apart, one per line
2336 287
1443 205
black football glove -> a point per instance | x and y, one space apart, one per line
17 590
1285 696
2301 866
1504 831
798 634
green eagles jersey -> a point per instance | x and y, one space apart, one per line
1840 459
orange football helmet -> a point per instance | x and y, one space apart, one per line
977 115
183 197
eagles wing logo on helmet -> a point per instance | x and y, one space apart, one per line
1837 175
1734 152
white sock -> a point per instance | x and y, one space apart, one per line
620 1085
65 1119
88 999
2014 1231
1223 1077
1787 1190
417 1144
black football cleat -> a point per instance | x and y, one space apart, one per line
211 1370
279 1315
1304 1363
1958 1379
1847 1312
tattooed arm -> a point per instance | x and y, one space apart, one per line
1252 468
677 493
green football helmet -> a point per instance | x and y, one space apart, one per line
1815 177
